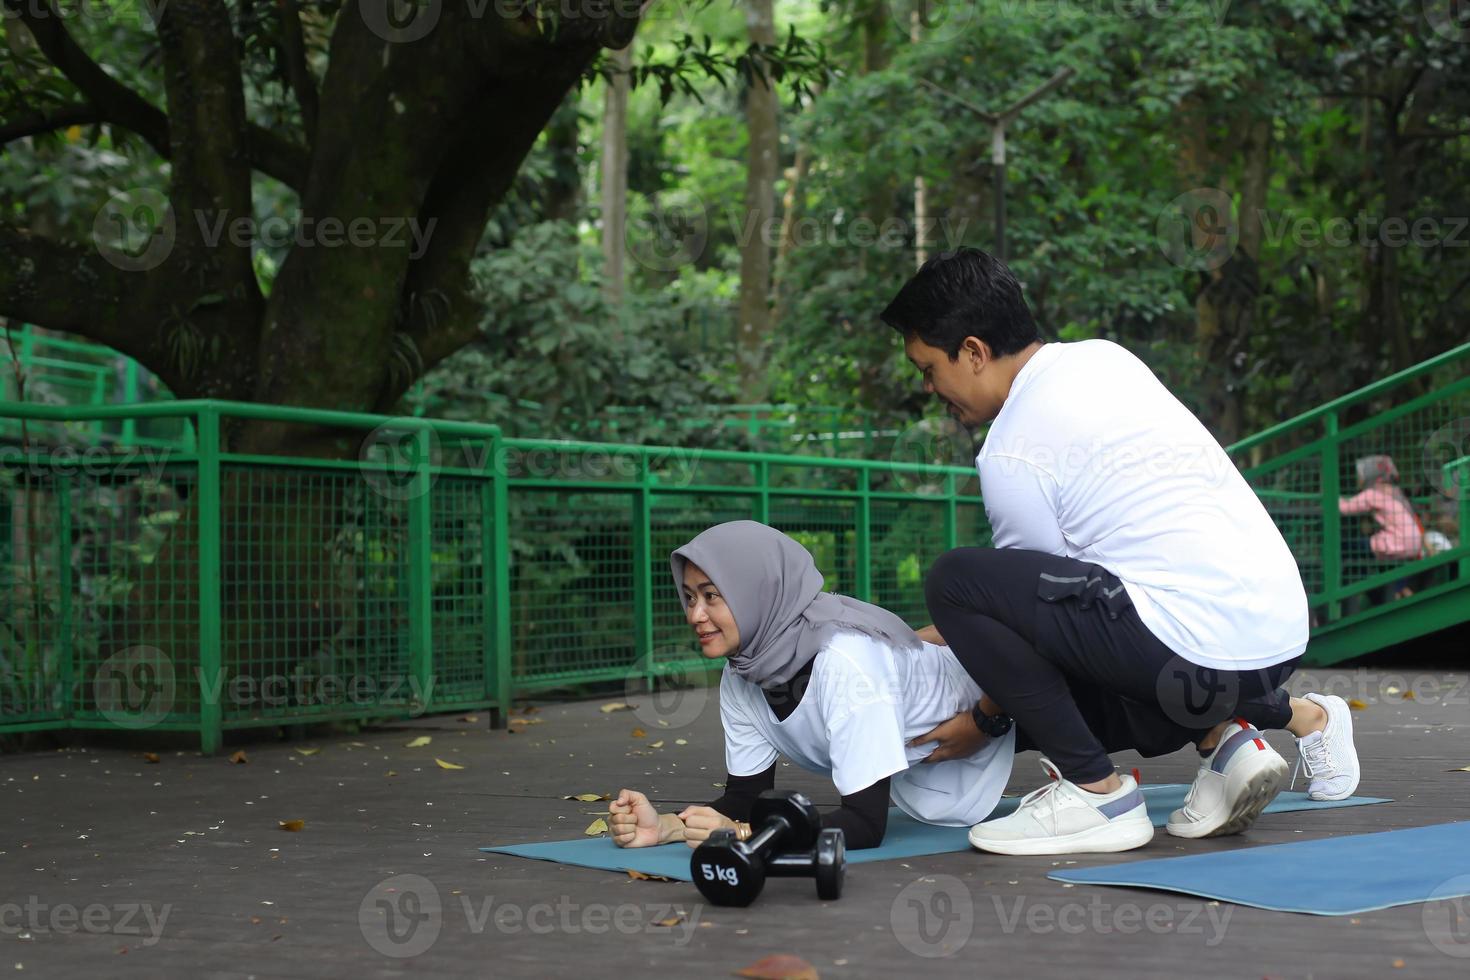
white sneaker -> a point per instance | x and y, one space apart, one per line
1329 755
1063 818
1234 784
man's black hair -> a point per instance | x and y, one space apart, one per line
959 294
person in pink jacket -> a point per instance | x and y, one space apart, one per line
1400 536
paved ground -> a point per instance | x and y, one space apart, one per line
113 865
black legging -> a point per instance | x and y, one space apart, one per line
1058 645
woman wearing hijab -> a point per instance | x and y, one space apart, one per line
838 686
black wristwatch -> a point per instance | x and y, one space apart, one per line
993 725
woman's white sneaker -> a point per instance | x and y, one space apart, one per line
1063 818
1234 784
1329 756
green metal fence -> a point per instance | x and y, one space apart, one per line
443 568
446 567
1300 468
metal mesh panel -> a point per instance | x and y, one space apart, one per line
33 655
828 529
571 583
459 566
906 538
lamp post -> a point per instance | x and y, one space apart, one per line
998 121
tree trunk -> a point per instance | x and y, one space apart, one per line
763 159
791 210
615 174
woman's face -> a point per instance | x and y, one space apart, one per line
706 612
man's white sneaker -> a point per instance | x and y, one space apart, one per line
1234 784
1329 755
1063 818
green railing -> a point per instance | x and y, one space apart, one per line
444 568
1300 468
62 371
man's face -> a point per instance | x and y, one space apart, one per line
959 383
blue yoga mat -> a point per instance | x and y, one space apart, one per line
1333 876
906 837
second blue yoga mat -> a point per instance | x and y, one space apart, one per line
1332 876
905 838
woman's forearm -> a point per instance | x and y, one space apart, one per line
670 828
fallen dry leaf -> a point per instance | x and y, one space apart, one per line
681 741
308 751
639 733
1398 964
1357 705
469 718
640 876
781 966
656 745
446 765
612 706
672 920
526 721
392 772
1409 696
293 825
419 742
588 797
150 756
598 826
255 920
1461 769
239 757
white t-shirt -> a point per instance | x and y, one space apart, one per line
1092 457
863 703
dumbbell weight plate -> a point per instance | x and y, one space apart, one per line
831 855
723 872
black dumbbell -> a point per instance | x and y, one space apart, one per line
788 842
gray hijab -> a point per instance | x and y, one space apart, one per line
774 591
